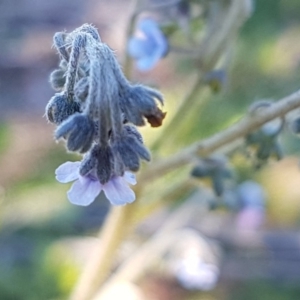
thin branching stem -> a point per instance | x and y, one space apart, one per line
207 146
214 45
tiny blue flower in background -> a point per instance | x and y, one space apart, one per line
86 188
148 45
252 200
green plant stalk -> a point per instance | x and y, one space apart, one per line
99 264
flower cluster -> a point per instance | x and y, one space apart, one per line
96 110
252 199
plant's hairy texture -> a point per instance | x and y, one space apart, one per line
81 90
59 41
58 79
102 91
132 130
59 109
94 105
88 164
79 131
130 149
92 30
139 102
78 44
135 140
105 162
110 76
119 167
129 157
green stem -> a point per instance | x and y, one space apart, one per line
99 265
221 139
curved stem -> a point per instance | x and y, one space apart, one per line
207 146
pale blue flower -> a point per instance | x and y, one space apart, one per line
148 45
251 194
252 199
86 188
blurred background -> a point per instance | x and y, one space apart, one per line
45 241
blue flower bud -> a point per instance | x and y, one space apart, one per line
127 154
264 141
135 140
59 108
200 171
57 79
216 169
79 131
129 148
138 102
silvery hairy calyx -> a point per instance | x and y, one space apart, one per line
96 110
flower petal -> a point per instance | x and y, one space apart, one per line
84 191
149 44
129 177
67 172
118 192
146 63
138 47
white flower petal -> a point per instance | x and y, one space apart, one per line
118 192
67 172
130 177
84 191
